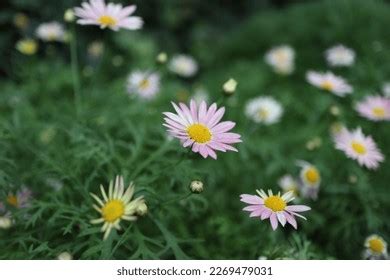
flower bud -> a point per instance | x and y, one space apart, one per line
162 57
230 86
142 209
5 222
69 15
65 256
196 186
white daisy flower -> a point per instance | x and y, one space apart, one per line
376 247
264 109
330 82
340 56
116 205
310 179
143 83
281 59
183 65
288 183
51 31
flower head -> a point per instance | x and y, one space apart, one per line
275 207
376 247
359 147
340 56
144 84
183 65
375 108
116 205
281 59
21 199
288 184
113 16
310 179
264 109
329 82
27 46
51 31
200 128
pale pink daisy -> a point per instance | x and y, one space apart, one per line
113 16
359 147
201 128
275 207
375 108
330 82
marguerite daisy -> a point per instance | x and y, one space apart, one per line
51 31
310 179
330 82
264 109
340 56
376 247
21 199
113 16
183 65
281 59
275 207
201 128
116 205
375 108
359 147
144 84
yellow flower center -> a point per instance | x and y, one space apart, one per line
12 200
275 203
199 133
107 21
312 175
281 56
28 47
263 113
376 245
113 210
327 85
378 112
359 148
144 84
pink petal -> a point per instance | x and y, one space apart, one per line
274 221
298 208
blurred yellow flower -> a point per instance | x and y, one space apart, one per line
27 46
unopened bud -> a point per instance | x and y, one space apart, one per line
5 222
230 86
65 256
142 209
162 58
69 15
196 186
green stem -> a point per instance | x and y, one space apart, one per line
75 71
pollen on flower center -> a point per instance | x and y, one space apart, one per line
378 112
107 20
327 85
13 200
275 203
376 245
144 84
199 133
263 113
312 175
113 210
358 148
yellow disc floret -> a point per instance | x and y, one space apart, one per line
199 133
107 21
12 200
113 210
275 203
378 112
327 85
376 245
144 84
312 175
358 148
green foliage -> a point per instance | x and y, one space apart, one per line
43 140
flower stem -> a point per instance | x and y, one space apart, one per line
75 72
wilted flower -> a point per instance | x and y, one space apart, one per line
162 57
183 65
51 31
310 179
288 184
375 108
27 46
264 109
113 16
281 59
229 87
116 205
144 84
329 82
201 128
196 186
69 15
340 56
142 209
376 248
359 147
275 207
65 256
21 199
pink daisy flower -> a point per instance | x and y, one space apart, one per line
330 82
113 16
375 108
201 128
274 207
359 147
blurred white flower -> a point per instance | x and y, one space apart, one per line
330 82
281 59
5 221
196 186
288 183
264 109
183 65
376 247
340 56
51 31
145 84
65 256
386 89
